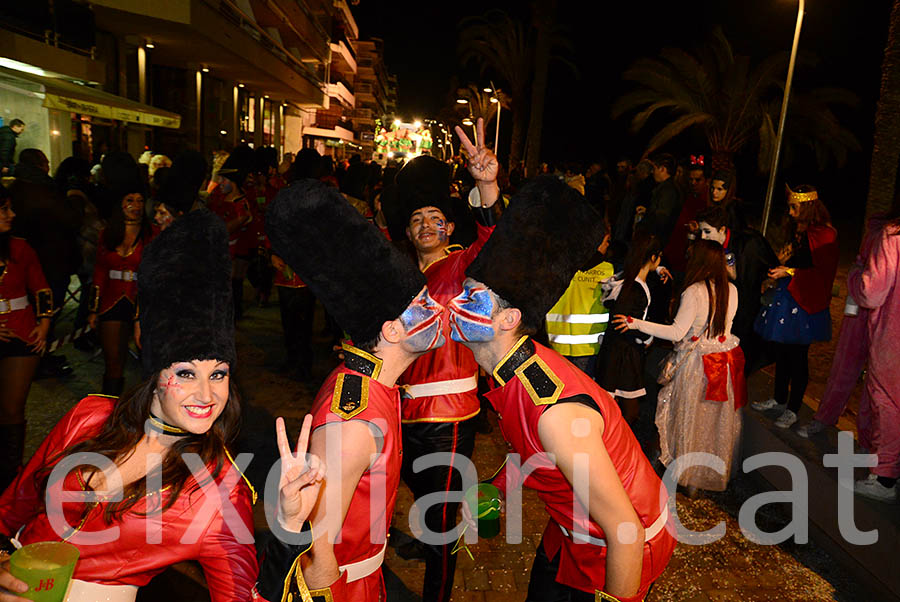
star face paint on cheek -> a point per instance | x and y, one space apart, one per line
423 323
470 315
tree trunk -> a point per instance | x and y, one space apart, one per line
519 123
886 143
544 18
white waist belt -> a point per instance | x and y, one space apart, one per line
8 305
126 275
575 339
579 318
85 591
649 533
441 387
363 568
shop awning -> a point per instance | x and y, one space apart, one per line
64 95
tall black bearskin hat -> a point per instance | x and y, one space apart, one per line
546 235
423 182
238 164
360 278
180 188
264 158
121 175
184 287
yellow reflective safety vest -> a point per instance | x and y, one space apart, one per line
575 325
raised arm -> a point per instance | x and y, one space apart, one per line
483 164
676 331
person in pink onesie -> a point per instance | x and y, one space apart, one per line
872 286
849 360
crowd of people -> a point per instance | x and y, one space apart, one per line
449 288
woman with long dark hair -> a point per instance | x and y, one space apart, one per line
113 303
156 462
704 389
620 362
23 336
798 314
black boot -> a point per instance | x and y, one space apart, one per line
12 446
113 386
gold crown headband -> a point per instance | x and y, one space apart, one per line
801 197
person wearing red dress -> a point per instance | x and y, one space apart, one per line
162 509
23 336
609 536
380 300
113 302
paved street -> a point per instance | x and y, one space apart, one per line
730 569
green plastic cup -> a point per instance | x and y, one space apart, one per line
484 503
46 567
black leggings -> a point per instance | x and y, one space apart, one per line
419 439
791 371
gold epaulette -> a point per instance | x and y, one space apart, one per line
543 386
351 395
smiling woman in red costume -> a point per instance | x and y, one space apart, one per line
114 293
23 335
152 505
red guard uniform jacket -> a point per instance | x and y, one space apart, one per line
453 360
530 379
351 393
229 211
230 566
22 276
108 290
253 236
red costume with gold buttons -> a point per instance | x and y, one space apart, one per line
115 276
351 393
230 567
453 361
22 276
530 379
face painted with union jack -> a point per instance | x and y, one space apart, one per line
470 313
423 323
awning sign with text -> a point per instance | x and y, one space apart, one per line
85 107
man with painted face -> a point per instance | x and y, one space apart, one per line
380 300
607 537
440 389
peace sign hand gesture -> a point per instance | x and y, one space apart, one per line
301 477
483 164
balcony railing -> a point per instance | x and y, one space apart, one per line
233 13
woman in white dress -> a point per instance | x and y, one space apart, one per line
698 409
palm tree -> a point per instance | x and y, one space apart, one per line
502 44
734 103
543 19
886 143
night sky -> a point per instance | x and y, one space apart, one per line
847 37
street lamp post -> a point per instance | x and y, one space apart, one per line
784 106
495 98
465 101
